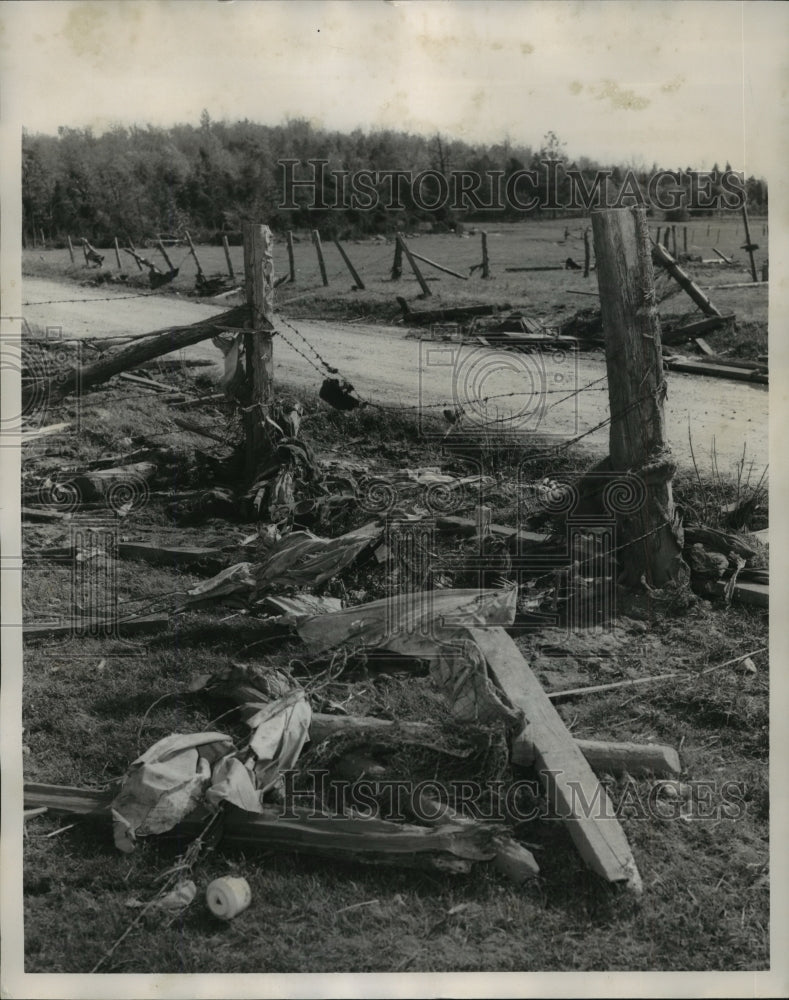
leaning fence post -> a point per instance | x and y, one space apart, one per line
637 389
316 239
418 274
258 345
749 245
228 261
118 254
358 283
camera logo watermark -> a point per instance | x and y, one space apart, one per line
493 393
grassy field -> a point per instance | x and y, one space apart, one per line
90 707
551 295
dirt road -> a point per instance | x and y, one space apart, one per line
387 366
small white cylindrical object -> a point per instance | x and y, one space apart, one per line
227 897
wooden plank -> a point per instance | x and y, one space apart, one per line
43 514
691 330
741 284
703 346
757 594
148 382
145 625
573 791
447 314
450 847
718 371
467 526
43 432
603 756
438 267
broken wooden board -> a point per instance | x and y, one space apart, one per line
211 559
450 313
704 347
44 514
450 847
144 625
43 432
739 374
690 330
757 594
574 793
147 382
604 757
467 527
614 758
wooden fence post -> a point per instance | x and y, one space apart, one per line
587 253
664 258
259 277
291 259
418 274
316 239
397 263
133 249
163 252
43 239
118 254
657 238
358 283
70 249
685 238
637 390
667 237
228 261
193 252
85 251
749 245
674 241
485 258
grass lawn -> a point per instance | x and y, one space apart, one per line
92 705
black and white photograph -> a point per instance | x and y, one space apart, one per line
386 484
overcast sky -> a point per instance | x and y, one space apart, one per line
677 83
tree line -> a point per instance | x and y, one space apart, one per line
136 181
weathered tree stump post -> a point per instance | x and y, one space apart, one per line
259 277
316 240
637 390
397 263
70 249
228 261
291 260
485 258
357 281
587 253
417 273
117 254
